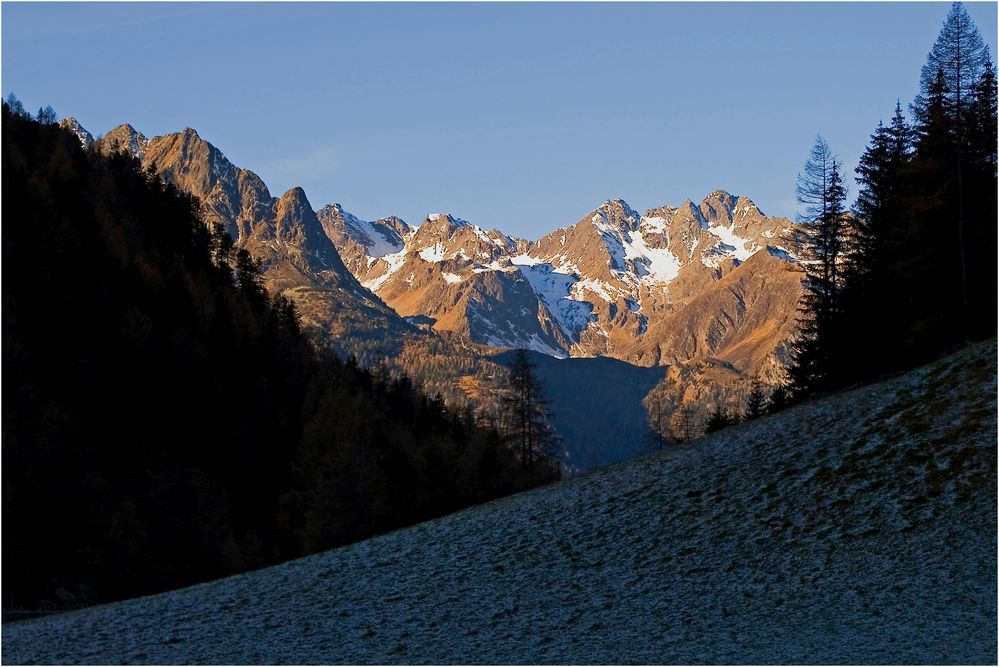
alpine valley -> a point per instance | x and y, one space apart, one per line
696 299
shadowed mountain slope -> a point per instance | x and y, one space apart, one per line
857 529
596 406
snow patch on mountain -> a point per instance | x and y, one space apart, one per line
493 329
554 290
434 253
655 223
532 342
524 259
655 265
729 238
601 288
714 256
393 263
71 124
780 253
377 242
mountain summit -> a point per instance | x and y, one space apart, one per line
613 284
283 234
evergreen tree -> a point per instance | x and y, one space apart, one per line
682 425
954 67
718 419
868 317
222 246
821 239
981 205
982 138
248 276
528 425
47 116
920 263
657 421
779 400
929 258
960 54
15 107
756 401
879 175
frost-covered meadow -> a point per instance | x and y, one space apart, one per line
858 529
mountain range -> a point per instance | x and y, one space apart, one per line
700 280
681 286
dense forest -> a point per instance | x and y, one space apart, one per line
909 274
165 421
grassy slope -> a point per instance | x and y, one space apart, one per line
858 529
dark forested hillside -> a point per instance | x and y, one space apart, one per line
910 275
164 420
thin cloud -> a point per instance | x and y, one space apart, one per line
321 162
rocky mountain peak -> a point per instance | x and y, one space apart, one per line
334 209
445 221
295 222
718 206
744 207
295 196
123 138
238 197
400 226
391 223
71 124
614 216
688 211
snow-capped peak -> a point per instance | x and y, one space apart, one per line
378 238
81 133
448 218
619 204
744 207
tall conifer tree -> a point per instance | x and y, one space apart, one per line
821 239
957 61
528 424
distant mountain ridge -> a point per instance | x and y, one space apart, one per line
706 285
282 233
663 287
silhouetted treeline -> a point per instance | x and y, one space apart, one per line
910 274
164 419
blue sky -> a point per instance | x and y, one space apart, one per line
521 117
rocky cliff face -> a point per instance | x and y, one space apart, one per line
123 138
362 244
81 133
678 283
283 233
450 275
